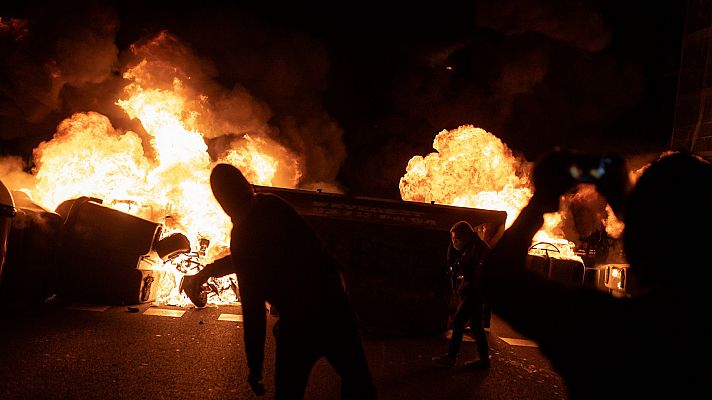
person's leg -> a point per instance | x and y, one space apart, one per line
294 360
348 358
486 315
478 332
462 315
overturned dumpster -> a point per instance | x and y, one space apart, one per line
107 255
83 251
393 253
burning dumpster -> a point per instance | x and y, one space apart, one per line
107 255
393 253
549 260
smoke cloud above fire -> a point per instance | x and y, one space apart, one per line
353 95
448 102
66 58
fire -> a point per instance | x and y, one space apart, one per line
163 178
470 168
162 174
265 162
473 168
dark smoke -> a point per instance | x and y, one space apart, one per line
358 88
73 54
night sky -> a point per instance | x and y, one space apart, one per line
362 86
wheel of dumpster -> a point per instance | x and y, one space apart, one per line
172 245
546 246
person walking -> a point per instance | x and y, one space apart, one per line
465 264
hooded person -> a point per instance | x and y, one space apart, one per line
279 259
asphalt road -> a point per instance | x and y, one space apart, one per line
75 351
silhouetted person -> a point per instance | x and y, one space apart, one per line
619 347
278 258
465 263
452 258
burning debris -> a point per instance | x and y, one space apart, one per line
90 252
159 172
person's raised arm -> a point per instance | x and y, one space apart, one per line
508 285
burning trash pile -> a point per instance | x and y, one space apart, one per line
101 199
91 252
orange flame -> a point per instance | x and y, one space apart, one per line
89 157
473 168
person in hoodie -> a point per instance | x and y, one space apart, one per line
279 259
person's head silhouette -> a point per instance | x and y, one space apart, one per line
667 220
231 189
461 235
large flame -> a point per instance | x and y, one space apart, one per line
89 157
473 168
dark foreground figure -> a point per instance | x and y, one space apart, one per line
607 347
279 259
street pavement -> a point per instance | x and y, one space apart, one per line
76 351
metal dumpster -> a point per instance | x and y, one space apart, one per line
107 256
394 254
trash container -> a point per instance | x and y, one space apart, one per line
30 270
108 256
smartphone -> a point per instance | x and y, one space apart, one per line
590 169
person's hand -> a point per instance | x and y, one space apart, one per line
552 179
255 381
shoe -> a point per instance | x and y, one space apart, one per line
193 290
444 360
478 364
